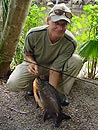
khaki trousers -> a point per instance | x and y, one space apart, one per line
21 79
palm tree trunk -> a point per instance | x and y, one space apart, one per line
18 11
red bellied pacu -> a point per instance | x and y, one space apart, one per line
48 98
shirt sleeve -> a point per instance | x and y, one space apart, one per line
29 45
63 57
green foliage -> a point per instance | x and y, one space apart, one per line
79 27
5 5
18 57
85 27
89 49
35 18
91 44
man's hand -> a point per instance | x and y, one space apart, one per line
33 68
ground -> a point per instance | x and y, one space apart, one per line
19 112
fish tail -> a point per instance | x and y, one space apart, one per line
60 118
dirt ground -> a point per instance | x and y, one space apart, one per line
19 112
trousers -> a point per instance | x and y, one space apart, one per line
22 79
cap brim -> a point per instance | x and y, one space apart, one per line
56 18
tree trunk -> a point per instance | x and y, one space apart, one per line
18 11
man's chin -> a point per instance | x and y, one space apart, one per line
59 35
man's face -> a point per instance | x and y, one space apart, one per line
58 28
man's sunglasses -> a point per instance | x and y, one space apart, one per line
61 12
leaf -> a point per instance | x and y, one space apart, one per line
89 49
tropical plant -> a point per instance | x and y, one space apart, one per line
89 50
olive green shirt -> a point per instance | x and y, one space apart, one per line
38 44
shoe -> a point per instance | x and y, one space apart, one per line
30 93
64 101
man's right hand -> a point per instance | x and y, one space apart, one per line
33 68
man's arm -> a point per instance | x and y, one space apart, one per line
54 77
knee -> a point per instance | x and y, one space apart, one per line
12 83
76 61
11 86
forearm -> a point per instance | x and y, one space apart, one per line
29 58
54 78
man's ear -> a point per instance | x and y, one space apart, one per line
47 20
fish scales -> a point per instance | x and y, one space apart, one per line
50 101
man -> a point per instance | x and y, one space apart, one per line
48 51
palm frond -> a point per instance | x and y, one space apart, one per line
89 50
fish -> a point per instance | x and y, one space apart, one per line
48 99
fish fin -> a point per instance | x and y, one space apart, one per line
45 117
60 118
58 121
65 117
37 106
48 116
38 95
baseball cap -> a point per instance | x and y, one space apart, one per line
60 12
